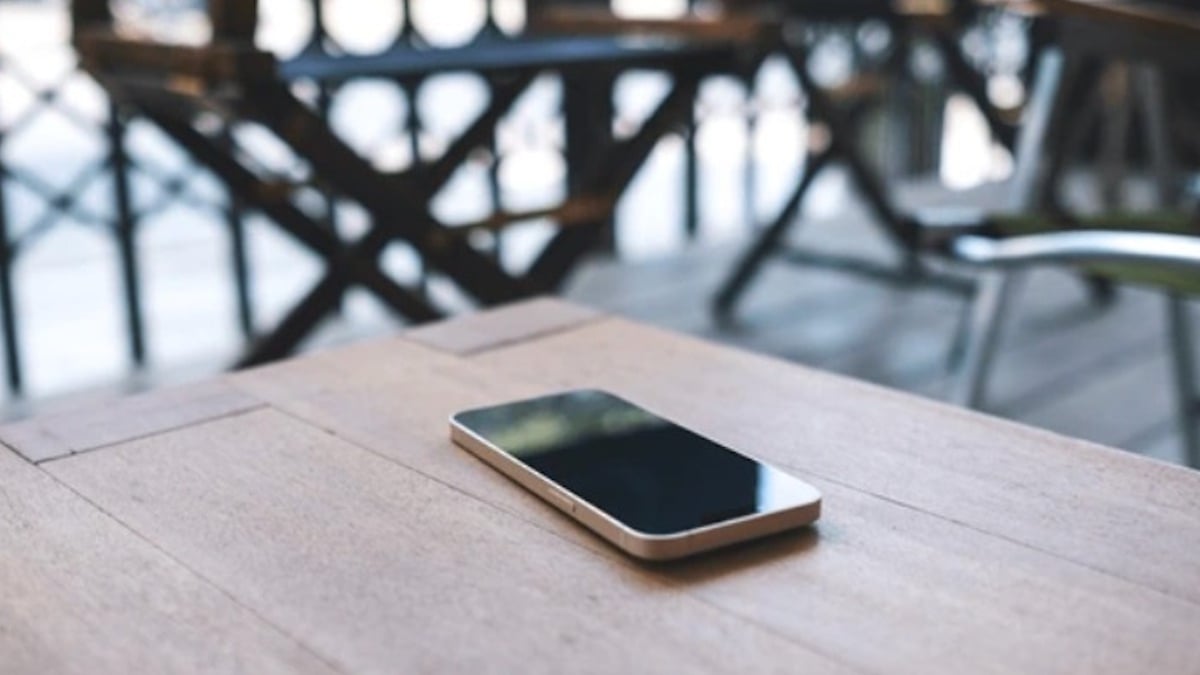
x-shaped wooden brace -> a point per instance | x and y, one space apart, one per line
399 204
843 146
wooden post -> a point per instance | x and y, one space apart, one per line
89 13
233 19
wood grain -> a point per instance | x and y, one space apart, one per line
381 569
1131 517
495 328
950 542
79 593
396 398
71 431
740 27
892 587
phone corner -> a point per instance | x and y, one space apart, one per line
655 548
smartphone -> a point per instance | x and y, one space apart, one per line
651 487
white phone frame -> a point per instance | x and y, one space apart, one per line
636 543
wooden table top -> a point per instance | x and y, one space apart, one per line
314 517
1158 20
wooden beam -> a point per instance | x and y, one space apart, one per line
89 14
233 19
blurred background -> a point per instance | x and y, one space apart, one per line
127 263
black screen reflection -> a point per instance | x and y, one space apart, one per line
650 474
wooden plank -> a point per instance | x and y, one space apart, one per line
80 593
381 569
491 329
233 19
738 27
897 590
396 397
72 431
1055 494
890 587
1164 22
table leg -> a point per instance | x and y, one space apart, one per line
606 177
987 313
1151 94
588 110
752 261
8 303
399 204
346 265
691 178
974 85
1187 394
1041 146
125 229
235 212
1116 116
844 144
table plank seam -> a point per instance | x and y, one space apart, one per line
8 445
75 452
267 623
404 465
606 554
999 536
409 467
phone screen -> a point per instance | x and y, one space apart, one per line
650 474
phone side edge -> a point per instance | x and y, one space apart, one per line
638 544
540 486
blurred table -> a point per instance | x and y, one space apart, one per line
1086 35
1166 31
201 94
841 117
314 517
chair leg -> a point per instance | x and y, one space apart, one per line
125 229
8 313
750 173
1151 93
691 178
1185 377
982 333
767 243
239 255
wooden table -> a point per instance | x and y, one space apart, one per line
1088 34
312 516
1166 32
192 91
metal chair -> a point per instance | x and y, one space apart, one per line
841 112
1149 255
